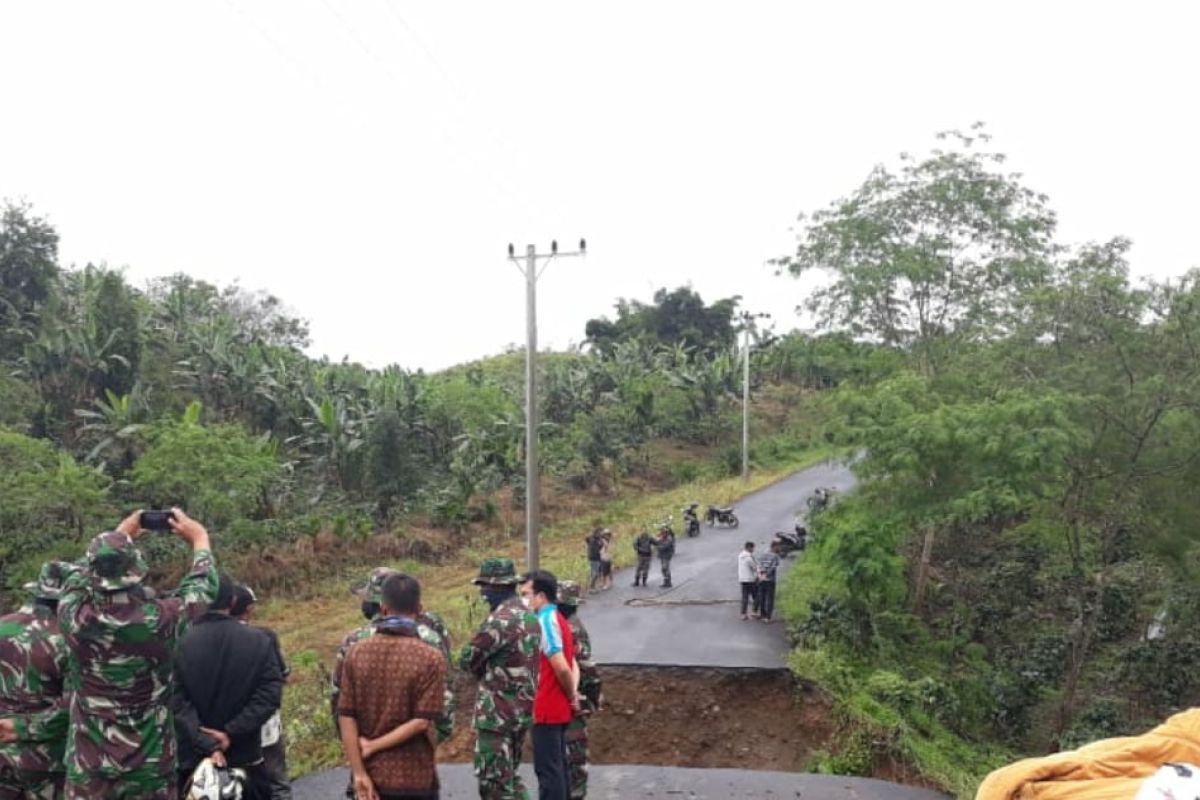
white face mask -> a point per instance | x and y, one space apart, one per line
525 602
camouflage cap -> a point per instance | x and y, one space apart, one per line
568 594
498 571
115 562
372 590
50 579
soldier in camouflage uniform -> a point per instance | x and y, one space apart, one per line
431 629
122 739
503 657
33 708
643 545
589 690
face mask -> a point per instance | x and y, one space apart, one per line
495 597
525 601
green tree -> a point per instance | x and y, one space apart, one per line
219 473
28 276
48 505
930 257
674 317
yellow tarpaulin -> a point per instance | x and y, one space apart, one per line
1110 769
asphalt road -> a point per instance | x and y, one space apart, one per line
631 782
697 621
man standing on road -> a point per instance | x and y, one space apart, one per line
503 657
665 544
393 688
274 770
569 601
430 629
228 683
606 559
121 744
594 542
748 578
558 680
768 564
644 547
33 708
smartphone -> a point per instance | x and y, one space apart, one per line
156 520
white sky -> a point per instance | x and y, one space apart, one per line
369 161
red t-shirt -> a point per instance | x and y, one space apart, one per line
550 705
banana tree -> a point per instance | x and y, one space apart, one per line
112 425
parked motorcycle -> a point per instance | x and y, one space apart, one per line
790 542
691 522
720 515
819 500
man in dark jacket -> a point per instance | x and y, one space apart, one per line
228 682
274 748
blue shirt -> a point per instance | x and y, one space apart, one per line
552 638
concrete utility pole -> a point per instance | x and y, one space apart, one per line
747 324
533 495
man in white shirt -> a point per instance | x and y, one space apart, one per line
748 577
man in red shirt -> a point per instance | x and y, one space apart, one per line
558 679
392 690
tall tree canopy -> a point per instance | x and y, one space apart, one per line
936 253
674 317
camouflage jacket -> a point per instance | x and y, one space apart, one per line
33 662
503 656
644 544
431 630
589 675
120 674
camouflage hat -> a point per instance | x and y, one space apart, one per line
498 571
115 562
568 594
372 590
49 583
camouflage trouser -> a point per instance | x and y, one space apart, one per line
19 784
141 784
665 563
121 758
497 757
577 757
643 568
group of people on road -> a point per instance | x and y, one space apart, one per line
394 692
110 691
756 574
599 553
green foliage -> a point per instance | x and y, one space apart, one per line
217 472
939 253
28 275
675 318
47 503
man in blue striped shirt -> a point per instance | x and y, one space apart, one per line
768 564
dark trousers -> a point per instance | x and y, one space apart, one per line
643 569
550 761
272 774
665 563
749 596
766 598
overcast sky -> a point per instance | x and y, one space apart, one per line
370 160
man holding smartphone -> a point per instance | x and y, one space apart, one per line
121 743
